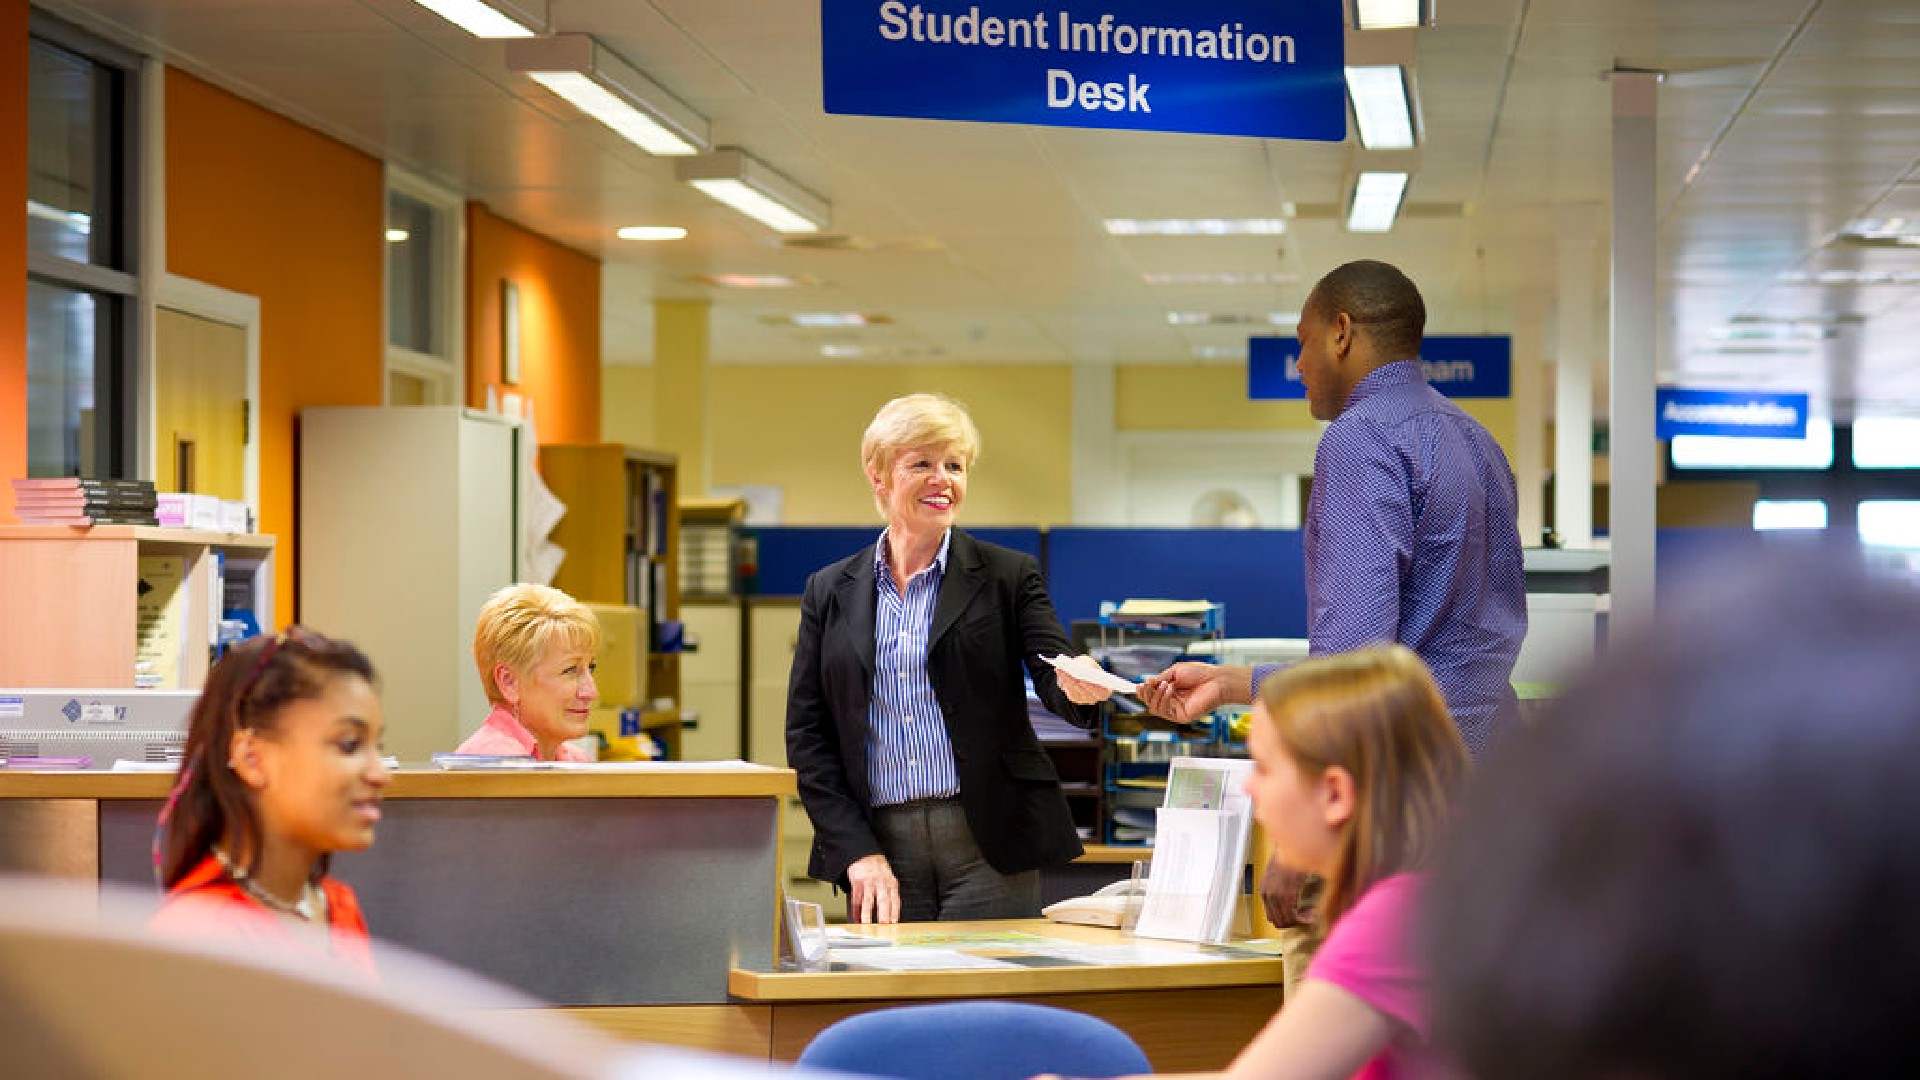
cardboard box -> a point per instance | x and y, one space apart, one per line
622 674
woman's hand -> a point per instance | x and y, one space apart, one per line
875 896
1079 691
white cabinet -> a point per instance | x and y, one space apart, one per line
407 525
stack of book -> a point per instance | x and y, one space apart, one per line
70 500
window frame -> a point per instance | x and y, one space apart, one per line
120 335
444 375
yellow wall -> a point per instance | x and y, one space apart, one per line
799 427
1213 397
626 404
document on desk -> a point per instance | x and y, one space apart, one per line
1194 876
1090 671
913 959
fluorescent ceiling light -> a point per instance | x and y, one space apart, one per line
595 81
1388 14
1196 226
1233 318
827 320
1777 332
398 236
1220 279
744 182
1882 232
72 219
842 352
754 281
1221 352
1853 277
1376 201
1381 106
492 18
651 232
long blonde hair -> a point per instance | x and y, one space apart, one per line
1377 714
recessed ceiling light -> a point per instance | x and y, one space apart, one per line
1233 318
652 232
500 19
827 320
1389 14
1376 201
1781 332
1221 352
1382 108
398 236
1220 279
754 281
1195 226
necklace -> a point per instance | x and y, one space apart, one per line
303 909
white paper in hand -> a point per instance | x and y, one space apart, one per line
1088 671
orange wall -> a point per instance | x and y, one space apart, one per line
13 244
261 205
559 325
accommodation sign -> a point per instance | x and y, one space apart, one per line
1262 68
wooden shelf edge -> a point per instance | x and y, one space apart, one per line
145 533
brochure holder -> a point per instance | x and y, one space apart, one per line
1199 853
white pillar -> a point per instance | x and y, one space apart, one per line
1530 415
1099 497
1578 233
1633 471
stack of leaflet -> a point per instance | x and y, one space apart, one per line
69 500
1199 852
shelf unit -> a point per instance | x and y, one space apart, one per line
72 599
1135 753
621 533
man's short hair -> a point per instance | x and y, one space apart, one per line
1383 302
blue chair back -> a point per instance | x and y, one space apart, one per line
975 1040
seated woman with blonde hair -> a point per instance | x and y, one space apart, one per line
534 646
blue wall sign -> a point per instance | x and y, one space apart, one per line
1264 68
1465 366
1734 413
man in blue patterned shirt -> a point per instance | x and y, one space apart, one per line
1410 534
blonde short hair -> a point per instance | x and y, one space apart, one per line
519 622
917 420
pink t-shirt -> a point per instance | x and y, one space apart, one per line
1370 953
507 737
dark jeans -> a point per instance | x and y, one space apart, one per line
941 872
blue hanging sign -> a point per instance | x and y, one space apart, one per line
1460 366
1734 413
1270 69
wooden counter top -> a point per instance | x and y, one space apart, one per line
673 781
1217 970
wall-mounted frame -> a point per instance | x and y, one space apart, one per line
509 333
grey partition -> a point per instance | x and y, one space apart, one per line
593 901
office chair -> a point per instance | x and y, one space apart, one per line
975 1040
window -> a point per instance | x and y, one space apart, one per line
425 355
1886 443
1777 514
1815 452
82 267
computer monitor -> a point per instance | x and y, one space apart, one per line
104 726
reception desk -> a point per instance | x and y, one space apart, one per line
1188 1016
581 888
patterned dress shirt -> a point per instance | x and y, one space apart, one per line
908 754
1411 537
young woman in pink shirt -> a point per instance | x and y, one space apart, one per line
1356 765
534 646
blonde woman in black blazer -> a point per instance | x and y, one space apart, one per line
906 709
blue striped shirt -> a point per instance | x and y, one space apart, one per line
1411 538
908 754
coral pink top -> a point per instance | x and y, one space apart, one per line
1370 953
209 904
503 735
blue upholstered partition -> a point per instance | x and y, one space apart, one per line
789 553
1257 573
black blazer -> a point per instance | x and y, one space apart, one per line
992 616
